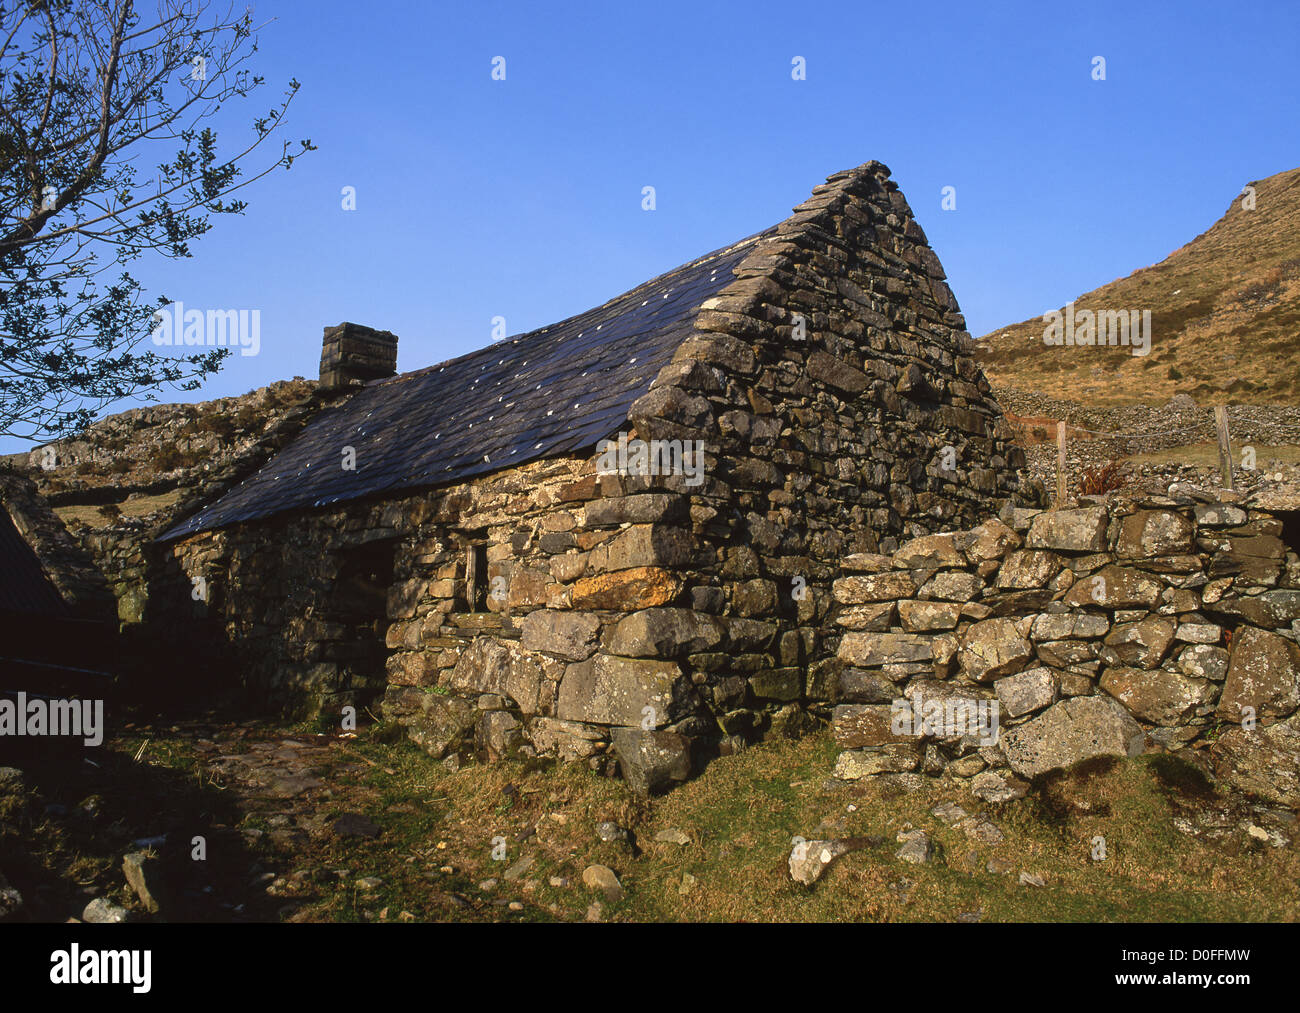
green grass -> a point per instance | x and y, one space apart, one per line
742 815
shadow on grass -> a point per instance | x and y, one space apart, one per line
1177 777
79 810
1054 796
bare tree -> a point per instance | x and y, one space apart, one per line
90 90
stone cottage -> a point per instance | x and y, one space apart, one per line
613 537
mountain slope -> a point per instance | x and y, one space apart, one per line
1225 319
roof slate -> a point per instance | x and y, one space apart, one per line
24 587
551 391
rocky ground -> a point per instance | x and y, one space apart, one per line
115 839
301 826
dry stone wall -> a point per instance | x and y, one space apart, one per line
1110 629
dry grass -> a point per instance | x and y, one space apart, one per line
139 507
1206 455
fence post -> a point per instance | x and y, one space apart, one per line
1060 465
1225 446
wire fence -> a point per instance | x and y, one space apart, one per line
1024 429
1119 444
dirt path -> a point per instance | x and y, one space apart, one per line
232 813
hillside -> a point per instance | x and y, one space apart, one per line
1225 319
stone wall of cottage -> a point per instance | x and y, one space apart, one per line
1108 629
295 609
283 596
833 392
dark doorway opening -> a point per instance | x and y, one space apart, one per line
1290 528
360 604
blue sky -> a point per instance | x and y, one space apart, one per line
522 198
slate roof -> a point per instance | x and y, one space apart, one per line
551 391
25 588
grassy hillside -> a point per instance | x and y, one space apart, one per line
1225 319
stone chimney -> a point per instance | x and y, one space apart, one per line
351 352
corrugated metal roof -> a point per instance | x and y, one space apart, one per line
23 584
547 392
